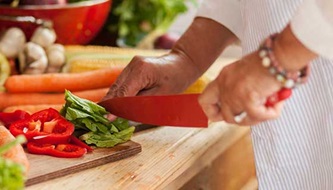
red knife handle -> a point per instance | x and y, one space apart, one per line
283 94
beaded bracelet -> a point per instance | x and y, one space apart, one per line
268 60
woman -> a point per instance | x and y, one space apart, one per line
292 140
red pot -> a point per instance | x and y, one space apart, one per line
75 23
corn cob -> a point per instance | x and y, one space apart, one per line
4 71
84 65
74 50
85 58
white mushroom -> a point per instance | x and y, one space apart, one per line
43 36
56 58
32 59
12 42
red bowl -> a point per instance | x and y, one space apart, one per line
75 23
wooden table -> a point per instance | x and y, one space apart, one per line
170 158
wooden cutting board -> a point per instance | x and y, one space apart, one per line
43 168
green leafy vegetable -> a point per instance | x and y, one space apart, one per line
108 139
138 18
11 173
89 118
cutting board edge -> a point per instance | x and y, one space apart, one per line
80 167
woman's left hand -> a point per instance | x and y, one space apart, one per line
242 86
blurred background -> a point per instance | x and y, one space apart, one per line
144 24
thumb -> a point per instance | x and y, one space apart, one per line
210 100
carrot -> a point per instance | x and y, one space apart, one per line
33 108
58 82
16 153
14 99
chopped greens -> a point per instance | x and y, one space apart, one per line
11 173
89 118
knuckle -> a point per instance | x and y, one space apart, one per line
137 58
112 91
122 90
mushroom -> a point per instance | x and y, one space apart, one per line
32 59
56 57
12 42
43 36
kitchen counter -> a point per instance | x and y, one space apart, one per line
170 158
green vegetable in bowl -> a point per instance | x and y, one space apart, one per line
89 119
136 19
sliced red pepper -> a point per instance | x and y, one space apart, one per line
78 142
45 127
36 148
10 117
60 150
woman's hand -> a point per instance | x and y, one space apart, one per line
168 74
241 86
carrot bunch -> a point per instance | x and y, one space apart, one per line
47 90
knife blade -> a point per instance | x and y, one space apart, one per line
181 110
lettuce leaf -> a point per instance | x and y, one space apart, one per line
89 118
107 139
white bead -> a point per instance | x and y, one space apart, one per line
280 78
272 70
262 53
289 83
266 62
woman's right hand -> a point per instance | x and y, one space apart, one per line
167 74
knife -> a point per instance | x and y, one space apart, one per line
169 110
181 110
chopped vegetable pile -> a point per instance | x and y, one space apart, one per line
11 173
89 118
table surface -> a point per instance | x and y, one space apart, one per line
170 157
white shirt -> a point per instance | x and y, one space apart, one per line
312 23
296 150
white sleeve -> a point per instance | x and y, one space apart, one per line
313 26
226 12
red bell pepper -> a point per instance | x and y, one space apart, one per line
60 150
78 142
10 117
45 127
